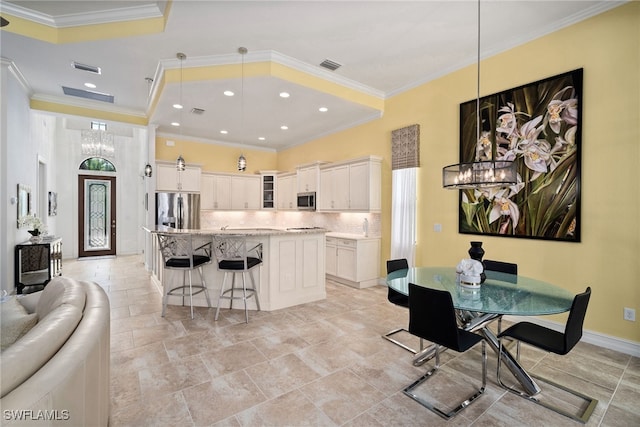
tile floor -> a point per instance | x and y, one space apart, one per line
318 364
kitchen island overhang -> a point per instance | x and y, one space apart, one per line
292 270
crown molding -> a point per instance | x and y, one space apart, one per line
512 42
266 56
215 141
130 13
65 102
15 71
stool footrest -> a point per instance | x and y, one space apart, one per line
250 293
184 290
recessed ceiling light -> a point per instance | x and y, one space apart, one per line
224 132
90 85
175 124
177 106
261 138
284 94
228 93
323 109
284 127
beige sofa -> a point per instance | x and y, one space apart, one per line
57 373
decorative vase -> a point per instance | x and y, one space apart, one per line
476 252
36 236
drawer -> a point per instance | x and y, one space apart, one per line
346 243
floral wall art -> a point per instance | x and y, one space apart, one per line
537 125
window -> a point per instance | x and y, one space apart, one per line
97 164
98 125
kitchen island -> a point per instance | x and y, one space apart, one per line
292 271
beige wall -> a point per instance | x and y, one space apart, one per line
213 157
608 258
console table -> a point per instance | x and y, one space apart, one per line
37 263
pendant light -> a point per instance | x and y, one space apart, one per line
180 163
148 169
242 161
481 173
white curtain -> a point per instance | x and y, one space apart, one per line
403 214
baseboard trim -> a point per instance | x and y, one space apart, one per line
601 340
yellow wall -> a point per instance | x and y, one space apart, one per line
608 48
213 157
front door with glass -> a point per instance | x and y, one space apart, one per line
96 215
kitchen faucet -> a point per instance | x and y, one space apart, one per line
224 227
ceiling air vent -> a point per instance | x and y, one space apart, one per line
88 68
87 94
330 65
198 111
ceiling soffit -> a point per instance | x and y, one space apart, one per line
264 63
100 22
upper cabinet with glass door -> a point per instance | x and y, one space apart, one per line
268 190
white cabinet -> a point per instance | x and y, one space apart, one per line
353 185
334 189
365 182
222 192
353 261
207 199
308 178
230 192
245 192
286 185
215 192
296 272
268 192
167 178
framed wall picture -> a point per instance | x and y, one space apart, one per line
53 203
24 203
537 125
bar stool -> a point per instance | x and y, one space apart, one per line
179 253
235 255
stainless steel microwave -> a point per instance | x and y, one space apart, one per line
307 201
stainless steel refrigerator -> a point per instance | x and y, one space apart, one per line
178 210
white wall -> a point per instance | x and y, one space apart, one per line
129 161
19 160
32 137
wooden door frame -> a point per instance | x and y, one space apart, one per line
81 216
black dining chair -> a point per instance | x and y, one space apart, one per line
433 317
399 299
555 342
501 267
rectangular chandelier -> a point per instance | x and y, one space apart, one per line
97 143
482 174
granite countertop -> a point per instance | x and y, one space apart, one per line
350 236
247 231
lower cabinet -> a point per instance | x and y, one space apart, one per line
295 270
353 260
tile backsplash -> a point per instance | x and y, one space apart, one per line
352 223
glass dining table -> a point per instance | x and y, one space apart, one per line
500 294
